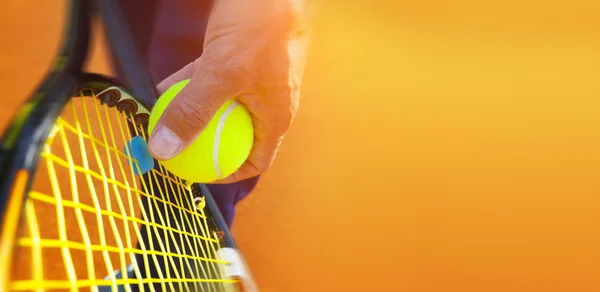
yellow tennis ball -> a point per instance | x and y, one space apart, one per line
220 149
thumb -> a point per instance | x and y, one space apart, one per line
191 109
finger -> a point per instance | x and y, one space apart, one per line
186 72
192 109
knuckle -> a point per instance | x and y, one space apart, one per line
262 165
285 119
192 113
190 69
236 65
286 113
262 168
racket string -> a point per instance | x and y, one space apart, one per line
110 227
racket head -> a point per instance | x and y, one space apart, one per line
83 209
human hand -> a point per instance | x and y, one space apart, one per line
253 51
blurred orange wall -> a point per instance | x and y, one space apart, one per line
439 146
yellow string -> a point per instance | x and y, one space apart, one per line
99 177
75 191
126 135
131 214
193 248
61 224
82 283
94 196
73 245
36 250
116 195
107 196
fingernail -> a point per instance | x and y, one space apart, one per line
165 144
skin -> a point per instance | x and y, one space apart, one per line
254 51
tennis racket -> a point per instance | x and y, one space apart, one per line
77 211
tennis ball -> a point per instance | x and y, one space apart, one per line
220 149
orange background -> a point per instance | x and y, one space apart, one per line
439 146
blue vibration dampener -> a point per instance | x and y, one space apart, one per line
138 151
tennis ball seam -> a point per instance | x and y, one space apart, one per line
218 131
